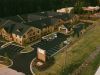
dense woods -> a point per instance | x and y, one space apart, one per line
13 7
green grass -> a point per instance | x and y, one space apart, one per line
76 53
27 49
91 68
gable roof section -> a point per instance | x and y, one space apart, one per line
64 16
16 28
20 29
9 26
68 26
14 18
49 13
2 21
31 17
43 23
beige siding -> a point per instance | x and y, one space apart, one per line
6 35
31 35
17 38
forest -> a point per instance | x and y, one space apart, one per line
14 7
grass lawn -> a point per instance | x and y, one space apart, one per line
76 54
92 68
27 49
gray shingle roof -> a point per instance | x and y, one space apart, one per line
64 16
48 13
17 28
20 29
2 21
14 18
43 23
31 17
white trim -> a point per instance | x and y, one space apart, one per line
31 67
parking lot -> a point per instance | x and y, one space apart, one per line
10 51
21 62
51 46
1 43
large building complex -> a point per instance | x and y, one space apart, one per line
27 28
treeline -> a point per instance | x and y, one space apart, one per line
13 7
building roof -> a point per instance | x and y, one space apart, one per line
43 22
64 16
31 17
48 13
54 14
14 18
2 21
65 10
91 8
79 26
8 26
20 29
68 26
17 28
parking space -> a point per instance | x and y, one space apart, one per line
1 43
11 51
51 46
21 62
